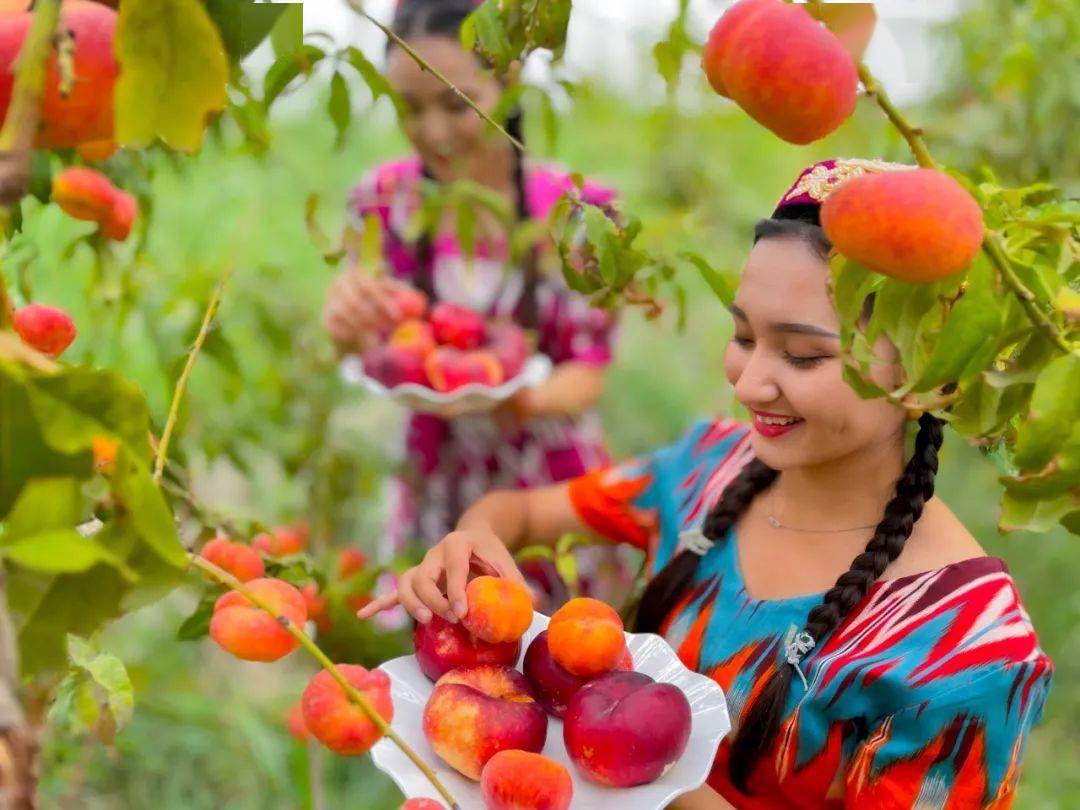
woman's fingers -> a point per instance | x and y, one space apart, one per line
457 559
409 600
378 604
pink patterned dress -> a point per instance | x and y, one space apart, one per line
449 464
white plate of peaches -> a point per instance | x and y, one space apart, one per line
494 707
447 359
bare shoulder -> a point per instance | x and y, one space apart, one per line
938 539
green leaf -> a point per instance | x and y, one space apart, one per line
968 342
43 504
93 673
58 551
1033 515
173 72
488 29
1055 411
375 80
147 509
723 285
566 565
340 107
287 35
288 67
197 624
243 24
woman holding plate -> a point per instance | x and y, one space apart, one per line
546 434
872 654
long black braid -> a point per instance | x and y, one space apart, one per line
762 720
444 18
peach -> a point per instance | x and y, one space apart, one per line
84 193
122 218
448 368
915 225
352 561
243 562
337 722
282 541
315 603
50 330
104 450
586 638
413 335
422 804
786 70
554 686
507 342
519 780
476 712
392 366
249 632
75 111
442 646
608 737
457 326
294 722
499 609
96 151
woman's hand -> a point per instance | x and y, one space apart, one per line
359 307
437 585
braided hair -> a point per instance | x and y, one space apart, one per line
415 18
763 718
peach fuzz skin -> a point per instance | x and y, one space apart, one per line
476 712
520 780
499 610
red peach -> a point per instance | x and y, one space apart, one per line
122 217
294 722
413 335
393 366
785 69
336 721
316 606
586 637
519 780
351 561
243 562
475 712
422 804
555 686
499 609
915 225
249 632
442 646
448 368
282 541
507 342
457 326
48 329
82 109
605 734
104 450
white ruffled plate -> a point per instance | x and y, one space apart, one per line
472 398
410 690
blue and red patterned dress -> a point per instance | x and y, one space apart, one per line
922 698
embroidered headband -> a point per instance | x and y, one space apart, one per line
817 182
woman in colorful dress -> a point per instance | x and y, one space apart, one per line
896 672
547 434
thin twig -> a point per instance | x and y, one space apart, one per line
316 652
996 253
425 65
912 134
181 383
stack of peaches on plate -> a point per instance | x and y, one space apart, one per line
489 721
445 347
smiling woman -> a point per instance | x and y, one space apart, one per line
871 653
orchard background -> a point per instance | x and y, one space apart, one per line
268 434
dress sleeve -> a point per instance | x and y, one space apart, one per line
383 198
964 749
619 502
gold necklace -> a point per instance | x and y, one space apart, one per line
776 524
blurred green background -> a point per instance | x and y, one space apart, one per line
270 433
